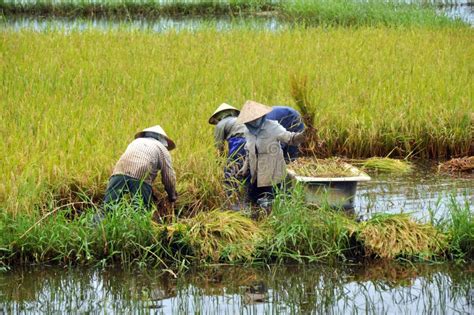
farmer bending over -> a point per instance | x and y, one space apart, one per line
227 129
137 168
265 157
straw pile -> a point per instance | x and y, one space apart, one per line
464 164
384 165
313 167
217 235
394 235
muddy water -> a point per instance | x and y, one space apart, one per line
421 193
374 289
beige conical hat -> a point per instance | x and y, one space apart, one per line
157 129
251 111
220 109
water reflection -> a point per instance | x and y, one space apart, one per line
377 289
157 25
461 10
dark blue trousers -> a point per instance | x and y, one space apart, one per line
140 192
235 162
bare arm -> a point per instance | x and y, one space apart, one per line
168 176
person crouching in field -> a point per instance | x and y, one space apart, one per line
227 129
137 169
291 120
265 157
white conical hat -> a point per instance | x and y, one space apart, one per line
221 108
157 129
251 111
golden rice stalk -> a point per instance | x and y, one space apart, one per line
313 167
385 165
390 236
218 235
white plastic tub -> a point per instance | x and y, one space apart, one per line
337 192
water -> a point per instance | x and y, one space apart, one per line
418 193
317 289
461 10
158 25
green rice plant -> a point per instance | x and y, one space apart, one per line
123 236
385 165
397 235
302 233
356 13
133 8
294 232
459 226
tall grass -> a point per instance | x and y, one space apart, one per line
458 224
301 233
293 232
314 12
372 12
72 102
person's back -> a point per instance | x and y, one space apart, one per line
291 120
137 168
288 117
227 129
142 159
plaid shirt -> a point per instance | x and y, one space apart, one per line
142 160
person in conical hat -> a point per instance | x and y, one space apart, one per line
265 164
228 130
138 167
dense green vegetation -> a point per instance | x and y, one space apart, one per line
293 232
310 12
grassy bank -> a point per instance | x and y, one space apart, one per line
72 102
292 233
320 12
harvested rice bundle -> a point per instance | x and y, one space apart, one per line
313 167
394 235
464 164
384 165
216 235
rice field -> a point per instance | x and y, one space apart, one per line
71 102
372 79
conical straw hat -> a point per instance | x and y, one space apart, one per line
157 129
251 111
221 108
